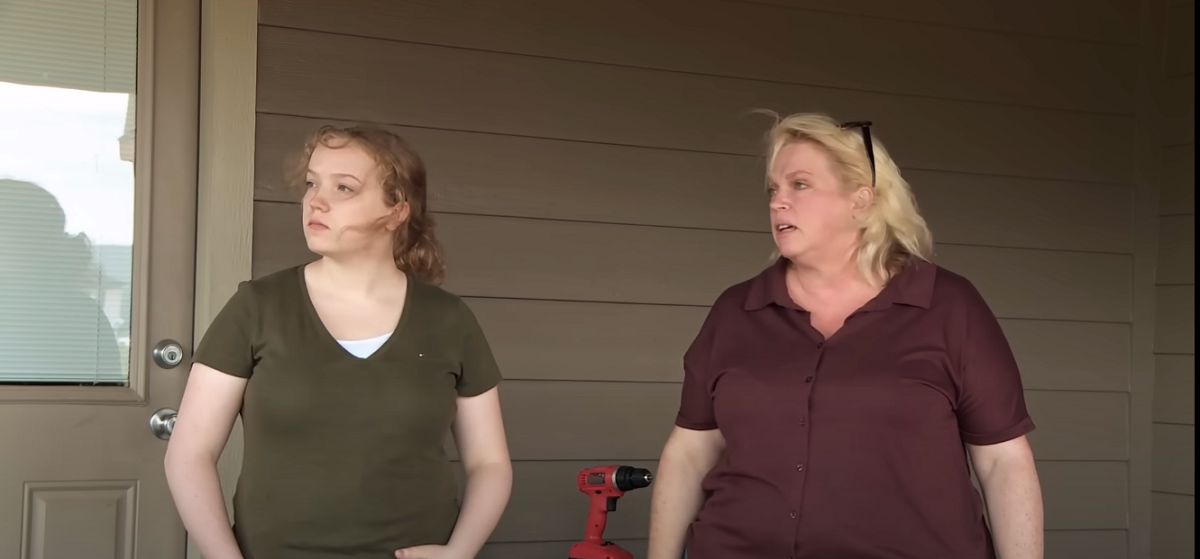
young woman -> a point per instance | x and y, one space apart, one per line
834 404
349 373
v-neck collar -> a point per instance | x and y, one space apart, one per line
329 339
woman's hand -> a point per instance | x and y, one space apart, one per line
429 552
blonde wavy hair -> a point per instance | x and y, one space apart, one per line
415 247
893 232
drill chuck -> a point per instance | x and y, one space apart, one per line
628 478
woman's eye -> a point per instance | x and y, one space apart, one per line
308 184
344 188
799 185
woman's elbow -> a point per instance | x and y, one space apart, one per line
498 469
183 455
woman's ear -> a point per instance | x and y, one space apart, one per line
863 198
399 216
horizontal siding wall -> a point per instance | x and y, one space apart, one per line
596 174
1174 478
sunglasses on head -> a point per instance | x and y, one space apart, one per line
866 134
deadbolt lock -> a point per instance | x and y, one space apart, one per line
167 354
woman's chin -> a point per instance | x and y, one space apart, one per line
789 249
319 248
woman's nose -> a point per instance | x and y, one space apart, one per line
316 199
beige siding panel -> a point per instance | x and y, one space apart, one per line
560 340
1086 544
543 419
545 259
1176 318
1079 425
305 73
759 42
530 177
1180 122
1181 40
1057 355
1085 495
1179 181
551 550
1082 496
1045 284
1177 250
1175 389
1175 459
1024 213
1107 20
1174 526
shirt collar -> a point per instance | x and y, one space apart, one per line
913 286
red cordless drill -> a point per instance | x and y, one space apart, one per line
605 484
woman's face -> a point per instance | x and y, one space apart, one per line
812 214
345 212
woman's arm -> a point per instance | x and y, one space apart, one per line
483 448
206 415
686 458
1013 494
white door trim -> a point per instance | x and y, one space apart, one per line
225 202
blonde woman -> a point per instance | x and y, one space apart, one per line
831 402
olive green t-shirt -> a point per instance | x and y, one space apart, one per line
345 456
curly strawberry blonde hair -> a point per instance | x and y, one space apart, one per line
415 248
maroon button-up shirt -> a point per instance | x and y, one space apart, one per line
851 447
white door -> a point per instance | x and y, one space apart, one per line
98 127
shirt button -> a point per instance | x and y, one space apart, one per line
809 379
793 515
803 421
799 468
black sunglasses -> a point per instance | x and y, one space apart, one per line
866 133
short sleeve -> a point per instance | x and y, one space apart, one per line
991 399
479 371
696 400
228 344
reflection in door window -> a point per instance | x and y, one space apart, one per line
67 79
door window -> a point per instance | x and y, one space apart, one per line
68 116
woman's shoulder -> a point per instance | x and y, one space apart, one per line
281 284
954 290
268 294
435 296
436 305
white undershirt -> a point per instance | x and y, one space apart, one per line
363 349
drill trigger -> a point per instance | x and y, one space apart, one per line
611 503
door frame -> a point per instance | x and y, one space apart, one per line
225 197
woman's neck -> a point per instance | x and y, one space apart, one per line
357 276
832 282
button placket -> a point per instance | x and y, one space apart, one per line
814 365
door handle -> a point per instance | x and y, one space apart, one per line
162 423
